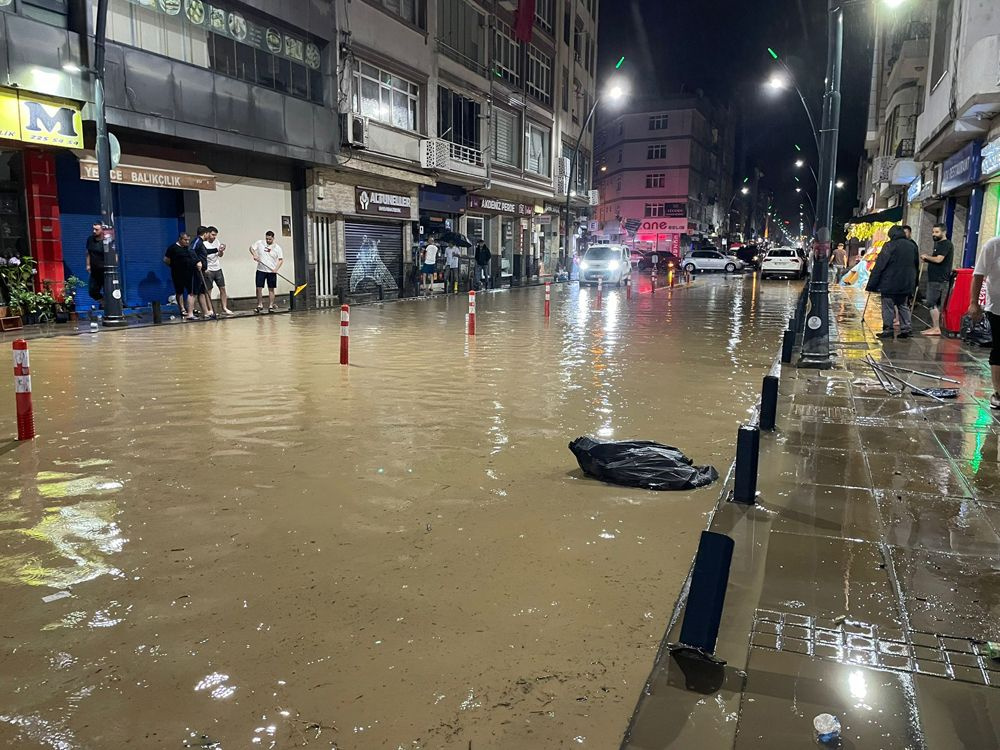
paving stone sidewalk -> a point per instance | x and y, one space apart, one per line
866 580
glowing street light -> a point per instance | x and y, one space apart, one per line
840 184
745 190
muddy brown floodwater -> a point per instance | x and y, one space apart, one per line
259 548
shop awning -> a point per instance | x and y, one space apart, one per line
889 214
147 172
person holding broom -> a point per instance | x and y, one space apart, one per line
894 277
270 258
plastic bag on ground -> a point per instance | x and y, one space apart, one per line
640 463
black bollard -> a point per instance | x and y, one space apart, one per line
291 301
787 344
709 580
157 313
769 403
747 457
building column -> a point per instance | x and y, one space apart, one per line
44 227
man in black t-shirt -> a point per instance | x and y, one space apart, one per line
181 261
939 263
95 261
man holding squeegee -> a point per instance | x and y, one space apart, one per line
270 258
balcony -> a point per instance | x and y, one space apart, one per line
445 156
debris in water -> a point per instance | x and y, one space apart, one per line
56 596
827 728
641 463
993 650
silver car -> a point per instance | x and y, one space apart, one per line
711 260
609 263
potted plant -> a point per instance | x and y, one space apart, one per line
18 277
66 310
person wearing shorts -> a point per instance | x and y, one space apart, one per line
213 271
988 270
939 263
429 266
200 262
178 257
270 258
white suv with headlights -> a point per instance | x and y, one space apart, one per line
609 263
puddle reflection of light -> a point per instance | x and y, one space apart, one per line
858 686
216 686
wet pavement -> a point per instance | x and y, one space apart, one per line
222 538
865 581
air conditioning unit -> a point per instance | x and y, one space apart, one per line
562 175
595 197
354 130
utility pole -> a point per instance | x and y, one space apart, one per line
816 343
113 311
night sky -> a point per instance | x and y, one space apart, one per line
720 47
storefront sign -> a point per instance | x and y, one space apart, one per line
149 176
38 119
377 203
664 225
991 158
675 210
914 190
961 169
499 206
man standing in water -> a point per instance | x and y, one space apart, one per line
428 266
95 262
178 256
270 258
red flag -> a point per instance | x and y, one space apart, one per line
524 21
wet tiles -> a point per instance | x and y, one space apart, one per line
955 595
938 524
824 511
829 578
820 435
972 445
921 474
957 714
983 477
797 465
907 442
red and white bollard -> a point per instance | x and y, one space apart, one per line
22 389
345 334
653 291
628 288
548 298
472 313
600 291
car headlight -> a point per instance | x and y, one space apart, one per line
613 265
584 265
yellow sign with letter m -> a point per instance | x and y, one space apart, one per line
34 118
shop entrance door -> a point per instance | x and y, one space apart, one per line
322 238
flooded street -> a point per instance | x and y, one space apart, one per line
265 549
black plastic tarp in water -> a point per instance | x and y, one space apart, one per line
641 463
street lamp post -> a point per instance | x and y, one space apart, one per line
777 82
113 310
616 92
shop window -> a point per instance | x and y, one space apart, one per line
54 12
567 26
458 119
565 90
507 64
227 42
462 33
505 140
538 150
385 97
538 75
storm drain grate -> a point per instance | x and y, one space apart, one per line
852 642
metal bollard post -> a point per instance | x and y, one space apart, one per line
291 301
787 344
769 403
22 389
653 279
157 313
628 288
600 292
707 595
472 313
747 464
548 298
345 334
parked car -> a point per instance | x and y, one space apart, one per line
784 262
712 260
751 255
611 263
643 260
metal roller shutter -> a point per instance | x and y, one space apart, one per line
374 255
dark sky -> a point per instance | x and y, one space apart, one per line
720 47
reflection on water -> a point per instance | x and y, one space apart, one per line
261 544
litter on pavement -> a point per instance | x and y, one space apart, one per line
640 463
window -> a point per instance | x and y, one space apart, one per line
655 210
538 78
621 127
565 90
581 177
507 64
659 122
506 144
618 184
942 41
538 149
656 180
658 151
408 10
458 118
265 56
461 33
621 153
385 97
566 25
54 12
544 14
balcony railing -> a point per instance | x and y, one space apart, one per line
437 153
905 148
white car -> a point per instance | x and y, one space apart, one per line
711 260
610 263
783 261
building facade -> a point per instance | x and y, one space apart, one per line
669 165
933 135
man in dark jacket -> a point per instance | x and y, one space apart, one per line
483 257
895 278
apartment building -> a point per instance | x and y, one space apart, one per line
668 164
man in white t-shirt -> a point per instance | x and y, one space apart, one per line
988 270
429 266
451 256
213 274
269 259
